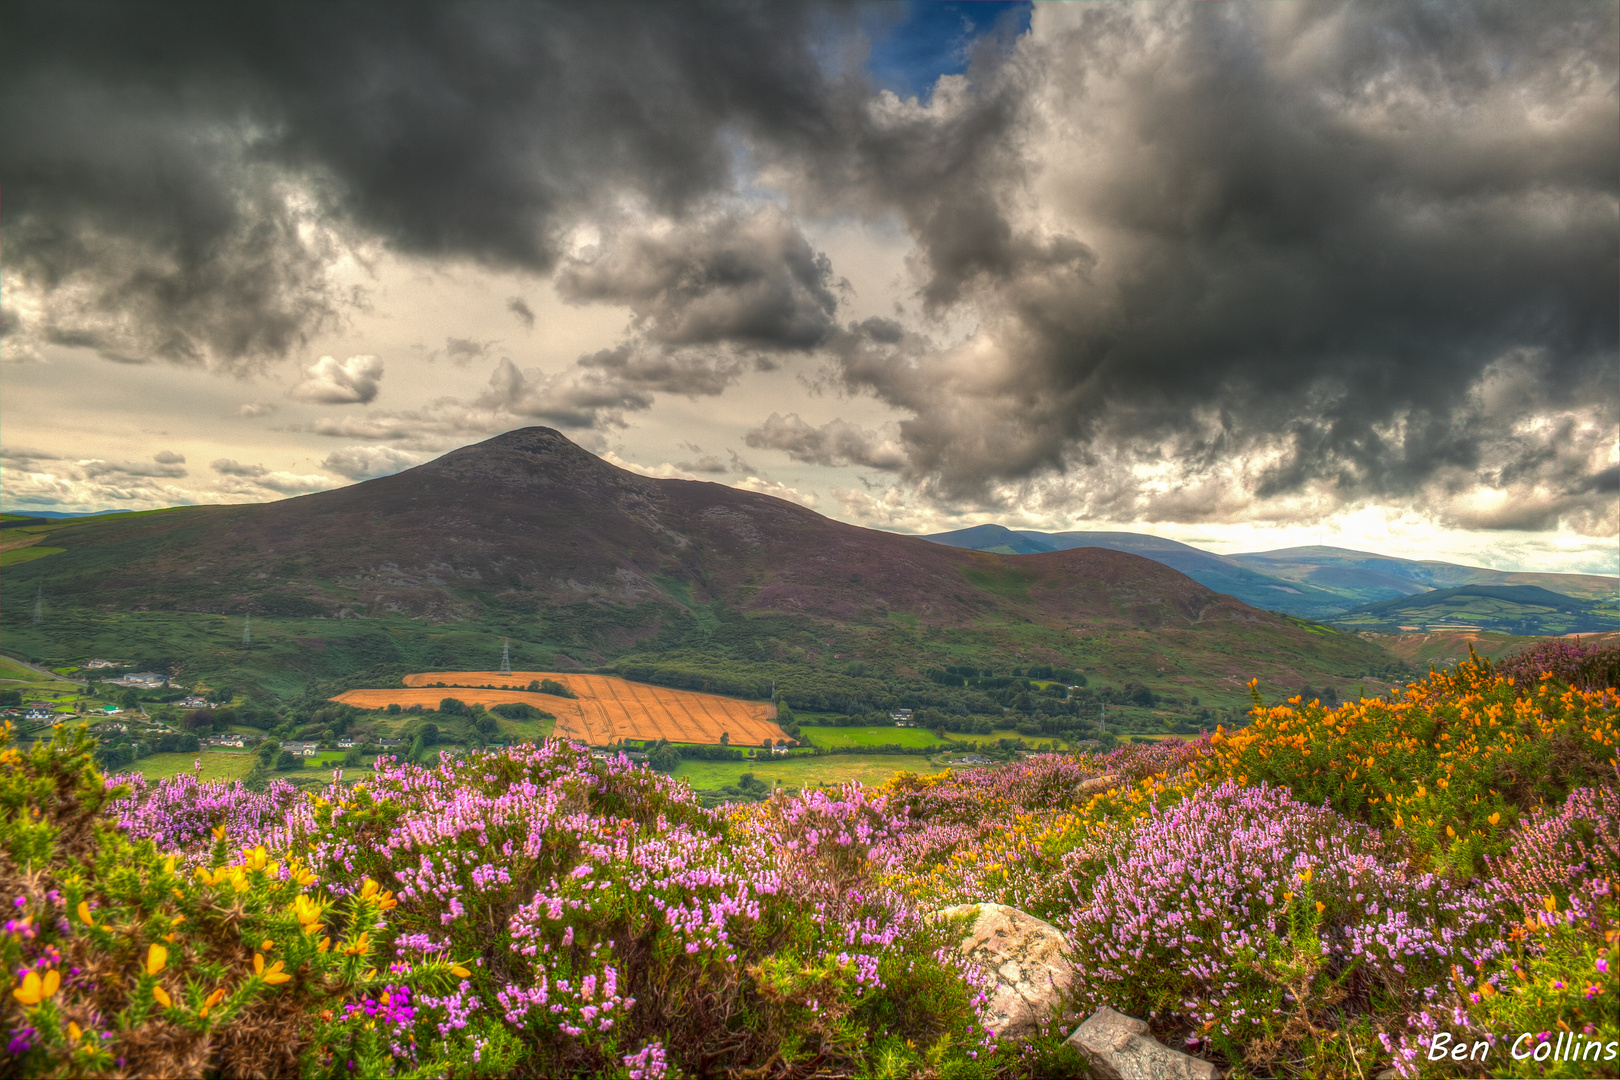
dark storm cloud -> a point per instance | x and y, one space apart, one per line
1212 260
1303 237
727 278
180 178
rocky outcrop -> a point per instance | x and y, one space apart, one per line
1118 1047
1098 783
1029 959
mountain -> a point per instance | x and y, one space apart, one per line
57 514
1366 578
529 536
1217 572
1515 609
1323 583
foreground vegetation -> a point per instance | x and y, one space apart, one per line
1327 892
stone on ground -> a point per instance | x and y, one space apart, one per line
1118 1047
1029 958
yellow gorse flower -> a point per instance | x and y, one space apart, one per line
35 989
75 1033
161 996
157 958
84 913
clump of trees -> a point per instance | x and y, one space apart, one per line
551 686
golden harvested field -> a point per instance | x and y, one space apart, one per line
608 708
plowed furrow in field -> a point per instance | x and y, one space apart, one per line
606 710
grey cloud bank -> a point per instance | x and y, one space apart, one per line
1166 263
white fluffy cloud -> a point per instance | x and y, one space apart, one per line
366 462
350 382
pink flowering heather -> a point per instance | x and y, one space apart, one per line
1571 855
179 813
589 903
1586 667
1177 917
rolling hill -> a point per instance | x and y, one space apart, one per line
1323 583
1224 575
530 537
1369 577
1517 609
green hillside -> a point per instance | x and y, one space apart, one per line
1509 609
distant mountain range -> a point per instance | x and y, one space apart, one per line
1353 588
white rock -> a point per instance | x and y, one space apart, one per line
1118 1047
1029 958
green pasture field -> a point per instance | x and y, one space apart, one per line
835 737
11 670
802 772
524 729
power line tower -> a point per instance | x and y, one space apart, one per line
39 603
506 657
247 630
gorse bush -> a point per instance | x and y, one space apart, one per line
1448 766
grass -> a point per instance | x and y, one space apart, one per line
831 737
217 765
10 669
27 554
1011 582
525 729
799 772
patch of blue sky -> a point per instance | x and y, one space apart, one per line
914 42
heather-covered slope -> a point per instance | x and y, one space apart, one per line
543 541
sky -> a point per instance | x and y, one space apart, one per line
1244 275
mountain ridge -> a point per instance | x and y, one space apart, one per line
1312 582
